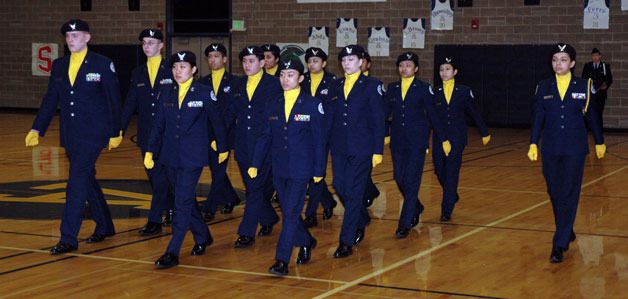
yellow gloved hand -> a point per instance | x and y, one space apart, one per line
486 139
222 157
252 172
600 150
213 145
115 141
32 138
386 140
148 160
446 147
533 152
318 179
377 159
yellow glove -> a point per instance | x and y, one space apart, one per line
386 140
533 152
252 172
486 139
446 147
115 141
377 159
318 179
600 150
32 138
213 146
222 157
148 160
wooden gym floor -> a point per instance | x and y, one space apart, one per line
497 244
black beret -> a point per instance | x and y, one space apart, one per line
183 56
271 48
252 50
74 25
448 60
315 52
291 64
216 47
152 33
595 50
367 56
411 56
351 50
565 48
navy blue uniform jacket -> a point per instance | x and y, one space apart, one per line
452 115
222 99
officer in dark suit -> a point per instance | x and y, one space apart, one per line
219 81
318 83
294 137
562 107
452 102
271 59
600 72
371 190
247 108
357 143
146 81
84 85
413 114
180 140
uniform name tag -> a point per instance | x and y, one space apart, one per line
548 97
301 117
273 118
165 81
195 104
92 77
140 84
578 96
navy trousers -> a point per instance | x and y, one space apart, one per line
82 187
319 193
350 178
293 231
407 171
258 193
163 197
221 190
448 173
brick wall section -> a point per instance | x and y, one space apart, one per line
501 22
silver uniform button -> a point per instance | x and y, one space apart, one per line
71 103
71 91
72 114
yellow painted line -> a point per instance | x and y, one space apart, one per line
231 271
449 242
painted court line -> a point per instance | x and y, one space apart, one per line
447 243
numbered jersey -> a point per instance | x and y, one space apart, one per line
414 33
319 37
442 17
595 14
346 32
379 41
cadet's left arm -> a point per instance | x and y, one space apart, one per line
114 100
472 110
217 124
318 132
609 75
591 116
377 119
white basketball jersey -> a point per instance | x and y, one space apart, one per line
442 17
414 33
379 41
595 15
624 4
346 32
319 37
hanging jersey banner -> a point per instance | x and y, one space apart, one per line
442 17
379 41
596 14
319 37
414 33
624 4
346 32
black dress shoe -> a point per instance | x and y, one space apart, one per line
199 248
415 219
329 212
151 228
572 237
95 238
343 250
444 217
557 255
369 201
266 230
305 252
279 268
359 236
62 248
168 260
402 233
208 216
228 207
310 222
168 218
244 241
275 198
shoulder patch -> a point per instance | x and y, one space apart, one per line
380 90
320 108
112 67
430 88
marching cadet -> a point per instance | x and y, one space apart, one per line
84 85
371 190
146 81
452 102
294 137
562 107
413 114
271 59
180 140
247 109
357 143
219 81
318 83
600 72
